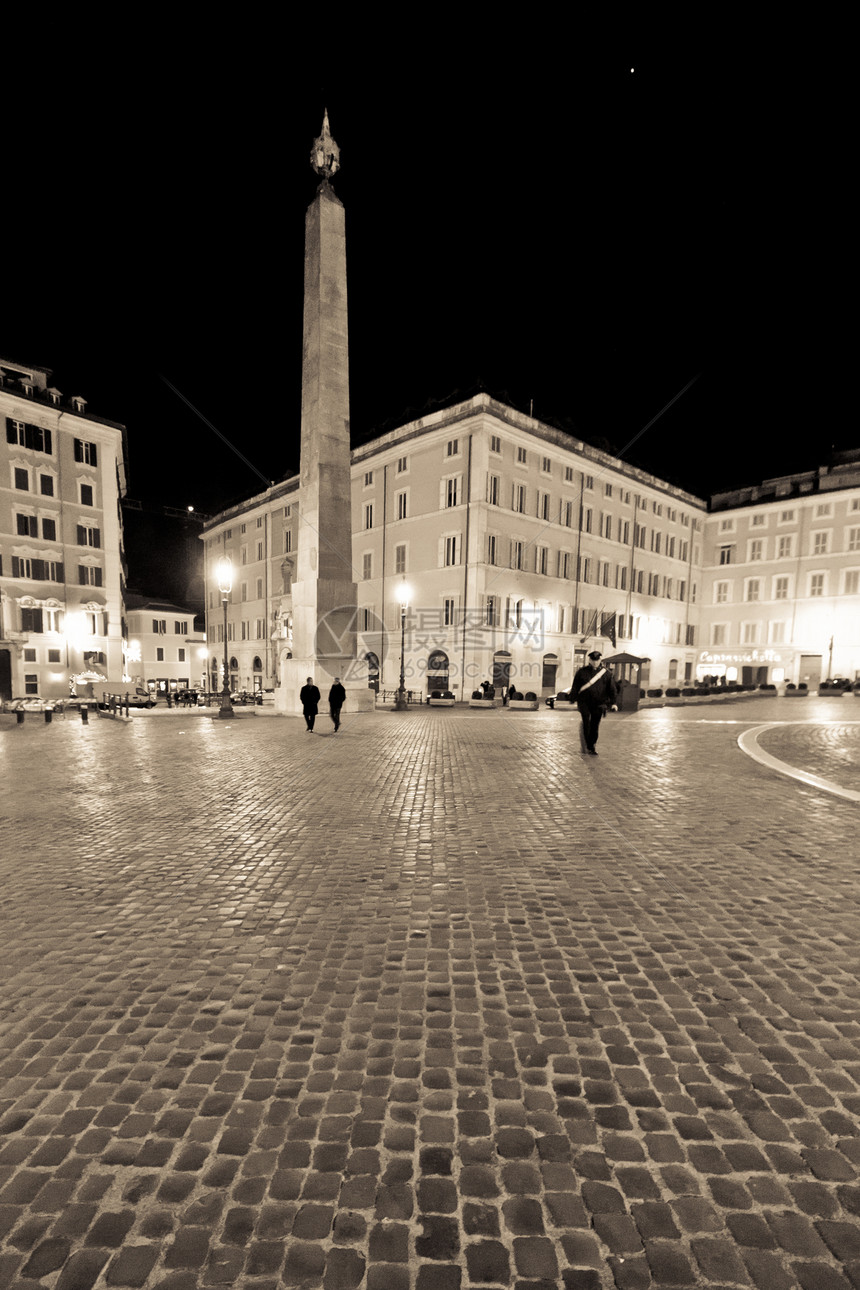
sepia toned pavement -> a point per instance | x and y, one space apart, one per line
433 1003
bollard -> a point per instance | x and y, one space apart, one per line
48 716
20 715
85 716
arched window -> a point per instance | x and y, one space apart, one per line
257 665
372 662
673 670
550 668
437 670
501 669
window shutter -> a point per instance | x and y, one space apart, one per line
97 537
82 535
79 450
82 575
11 432
39 570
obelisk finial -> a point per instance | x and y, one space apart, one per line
325 154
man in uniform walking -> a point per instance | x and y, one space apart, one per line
594 691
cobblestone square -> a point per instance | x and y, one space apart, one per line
433 1003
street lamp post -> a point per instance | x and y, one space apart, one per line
224 575
400 704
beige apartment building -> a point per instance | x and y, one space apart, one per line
520 549
163 651
62 565
781 578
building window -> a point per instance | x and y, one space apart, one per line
368 515
22 480
495 443
259 628
452 487
758 521
784 546
402 465
588 481
448 612
727 526
31 621
259 550
452 448
726 554
27 436
777 633
258 589
543 506
180 626
493 486
367 565
159 653
564 564
89 575
750 633
823 509
400 558
516 553
159 626
753 589
493 606
27 525
718 634
541 559
546 465
86 495
492 548
31 683
820 543
368 478
46 485
244 555
243 591
88 535
567 515
288 541
756 549
452 550
54 656
780 588
242 528
816 584
854 538
607 526
786 517
521 456
587 520
568 474
520 498
852 582
86 452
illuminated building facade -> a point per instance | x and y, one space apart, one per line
781 578
62 566
522 547
164 652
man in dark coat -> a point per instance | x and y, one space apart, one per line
336 700
310 697
594 691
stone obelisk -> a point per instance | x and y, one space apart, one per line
324 594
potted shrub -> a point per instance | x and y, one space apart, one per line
442 699
767 690
480 700
562 702
673 696
793 691
528 702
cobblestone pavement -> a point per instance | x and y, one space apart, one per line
831 750
434 1002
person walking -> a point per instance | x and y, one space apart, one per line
310 697
594 691
336 700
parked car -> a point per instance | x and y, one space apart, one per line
246 696
138 695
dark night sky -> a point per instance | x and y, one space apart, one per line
522 212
